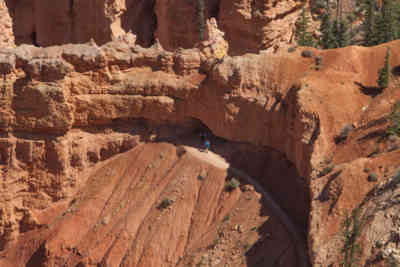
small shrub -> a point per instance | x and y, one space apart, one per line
394 128
367 170
325 170
292 49
227 218
374 153
384 72
318 60
201 18
372 177
307 53
396 175
165 203
203 174
352 226
232 184
344 133
215 242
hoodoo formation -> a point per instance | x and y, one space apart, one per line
105 107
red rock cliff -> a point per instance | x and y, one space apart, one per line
53 97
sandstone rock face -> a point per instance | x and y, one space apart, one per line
174 29
147 207
250 26
63 108
7 35
46 24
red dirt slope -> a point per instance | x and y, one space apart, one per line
115 219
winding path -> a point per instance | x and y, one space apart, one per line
220 162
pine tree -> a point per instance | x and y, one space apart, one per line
379 30
396 19
304 37
384 72
343 38
368 25
340 31
388 20
200 18
327 39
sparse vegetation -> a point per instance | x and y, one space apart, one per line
352 226
326 170
304 37
246 247
201 18
232 184
292 49
372 177
215 242
227 218
318 60
384 72
396 175
165 203
390 261
327 39
374 153
394 128
307 53
344 133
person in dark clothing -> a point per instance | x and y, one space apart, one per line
207 145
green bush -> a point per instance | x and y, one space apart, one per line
344 133
352 226
201 18
394 128
307 53
232 184
227 218
384 72
318 60
165 203
372 177
396 175
374 153
325 170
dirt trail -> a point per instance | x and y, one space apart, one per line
220 162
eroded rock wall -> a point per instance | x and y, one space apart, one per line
7 35
250 26
69 21
58 102
55 100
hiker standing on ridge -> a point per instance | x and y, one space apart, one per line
207 145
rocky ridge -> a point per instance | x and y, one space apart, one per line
250 26
56 100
